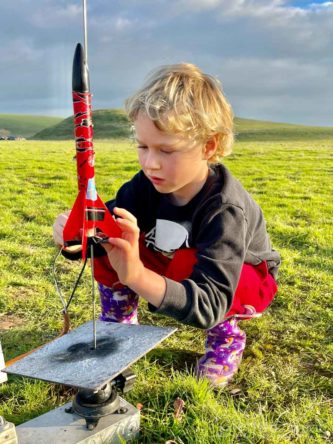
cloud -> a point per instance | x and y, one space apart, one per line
19 50
55 15
269 54
314 6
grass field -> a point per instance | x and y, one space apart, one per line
283 391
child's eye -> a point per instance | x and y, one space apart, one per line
166 151
142 147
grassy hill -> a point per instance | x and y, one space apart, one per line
113 123
108 123
248 129
25 125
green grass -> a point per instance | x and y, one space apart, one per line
25 125
283 391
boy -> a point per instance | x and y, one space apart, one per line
194 243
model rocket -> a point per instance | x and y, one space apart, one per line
89 218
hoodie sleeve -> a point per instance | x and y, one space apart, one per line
203 299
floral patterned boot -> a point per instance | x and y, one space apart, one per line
119 304
224 349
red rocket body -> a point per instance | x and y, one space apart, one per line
89 216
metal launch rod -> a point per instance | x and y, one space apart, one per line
93 294
85 29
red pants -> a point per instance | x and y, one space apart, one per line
256 287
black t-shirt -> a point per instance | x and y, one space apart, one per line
225 226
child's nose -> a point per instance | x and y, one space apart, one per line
152 160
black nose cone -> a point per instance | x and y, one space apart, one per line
80 71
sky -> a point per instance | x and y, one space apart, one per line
272 57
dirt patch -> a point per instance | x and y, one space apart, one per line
9 321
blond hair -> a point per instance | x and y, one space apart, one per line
182 99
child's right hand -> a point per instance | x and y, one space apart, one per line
58 228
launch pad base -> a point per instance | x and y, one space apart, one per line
57 426
73 361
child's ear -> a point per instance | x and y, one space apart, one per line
211 147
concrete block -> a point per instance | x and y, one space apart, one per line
59 427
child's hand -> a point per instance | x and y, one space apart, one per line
124 256
58 228
123 253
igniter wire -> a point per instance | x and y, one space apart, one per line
57 286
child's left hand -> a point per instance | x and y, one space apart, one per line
123 253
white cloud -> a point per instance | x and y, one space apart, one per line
320 6
268 53
196 5
280 76
122 23
53 15
106 28
19 51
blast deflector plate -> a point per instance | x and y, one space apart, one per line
72 360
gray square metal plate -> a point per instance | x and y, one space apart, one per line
72 360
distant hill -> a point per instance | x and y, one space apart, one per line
113 123
108 123
25 125
248 129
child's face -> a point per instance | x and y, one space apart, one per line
174 164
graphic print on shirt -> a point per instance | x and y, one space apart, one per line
168 236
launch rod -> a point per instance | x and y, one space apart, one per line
93 295
85 30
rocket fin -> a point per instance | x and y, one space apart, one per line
72 229
87 219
